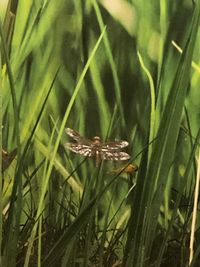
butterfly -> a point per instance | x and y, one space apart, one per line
96 148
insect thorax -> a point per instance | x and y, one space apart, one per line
97 140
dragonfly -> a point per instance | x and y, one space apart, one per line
96 148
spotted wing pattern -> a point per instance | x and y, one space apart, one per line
77 137
81 149
115 145
110 155
102 151
81 145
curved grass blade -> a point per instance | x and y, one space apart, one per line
111 61
161 158
16 198
65 242
76 90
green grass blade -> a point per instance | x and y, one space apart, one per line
16 205
178 200
1 171
76 90
65 241
64 210
169 128
138 215
153 102
161 158
12 89
111 61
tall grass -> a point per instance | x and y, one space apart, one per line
106 68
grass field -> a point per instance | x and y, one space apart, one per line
120 70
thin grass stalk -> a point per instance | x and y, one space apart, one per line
67 113
66 240
111 122
14 210
137 217
178 200
195 210
76 186
196 257
111 61
195 66
168 133
30 28
163 30
170 124
103 237
12 226
40 115
8 23
17 188
17 180
39 258
44 185
93 189
191 137
153 102
70 255
102 103
1 176
88 192
12 89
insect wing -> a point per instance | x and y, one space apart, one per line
117 155
81 149
102 151
77 137
115 145
73 134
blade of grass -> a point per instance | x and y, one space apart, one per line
194 64
44 185
178 200
102 103
103 237
153 102
162 156
196 257
10 261
111 61
169 129
64 242
15 209
1 176
76 90
138 215
12 89
163 30
194 215
31 28
76 186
